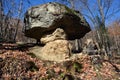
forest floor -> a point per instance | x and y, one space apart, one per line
16 63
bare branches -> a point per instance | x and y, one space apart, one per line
101 11
103 8
11 12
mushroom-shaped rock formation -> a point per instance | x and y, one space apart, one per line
53 24
45 19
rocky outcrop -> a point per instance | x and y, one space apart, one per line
54 24
44 19
91 47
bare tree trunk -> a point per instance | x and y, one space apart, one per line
17 25
72 4
1 17
16 31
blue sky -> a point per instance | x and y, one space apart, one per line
38 2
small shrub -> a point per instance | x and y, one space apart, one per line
32 67
32 55
77 66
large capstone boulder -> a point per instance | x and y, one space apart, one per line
45 19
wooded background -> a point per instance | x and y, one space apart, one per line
100 14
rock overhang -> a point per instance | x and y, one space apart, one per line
44 19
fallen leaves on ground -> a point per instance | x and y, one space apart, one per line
15 66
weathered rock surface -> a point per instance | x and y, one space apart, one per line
91 47
45 19
58 34
57 50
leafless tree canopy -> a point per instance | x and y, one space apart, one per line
11 11
98 13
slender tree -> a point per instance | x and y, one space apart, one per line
104 9
98 12
11 13
1 17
